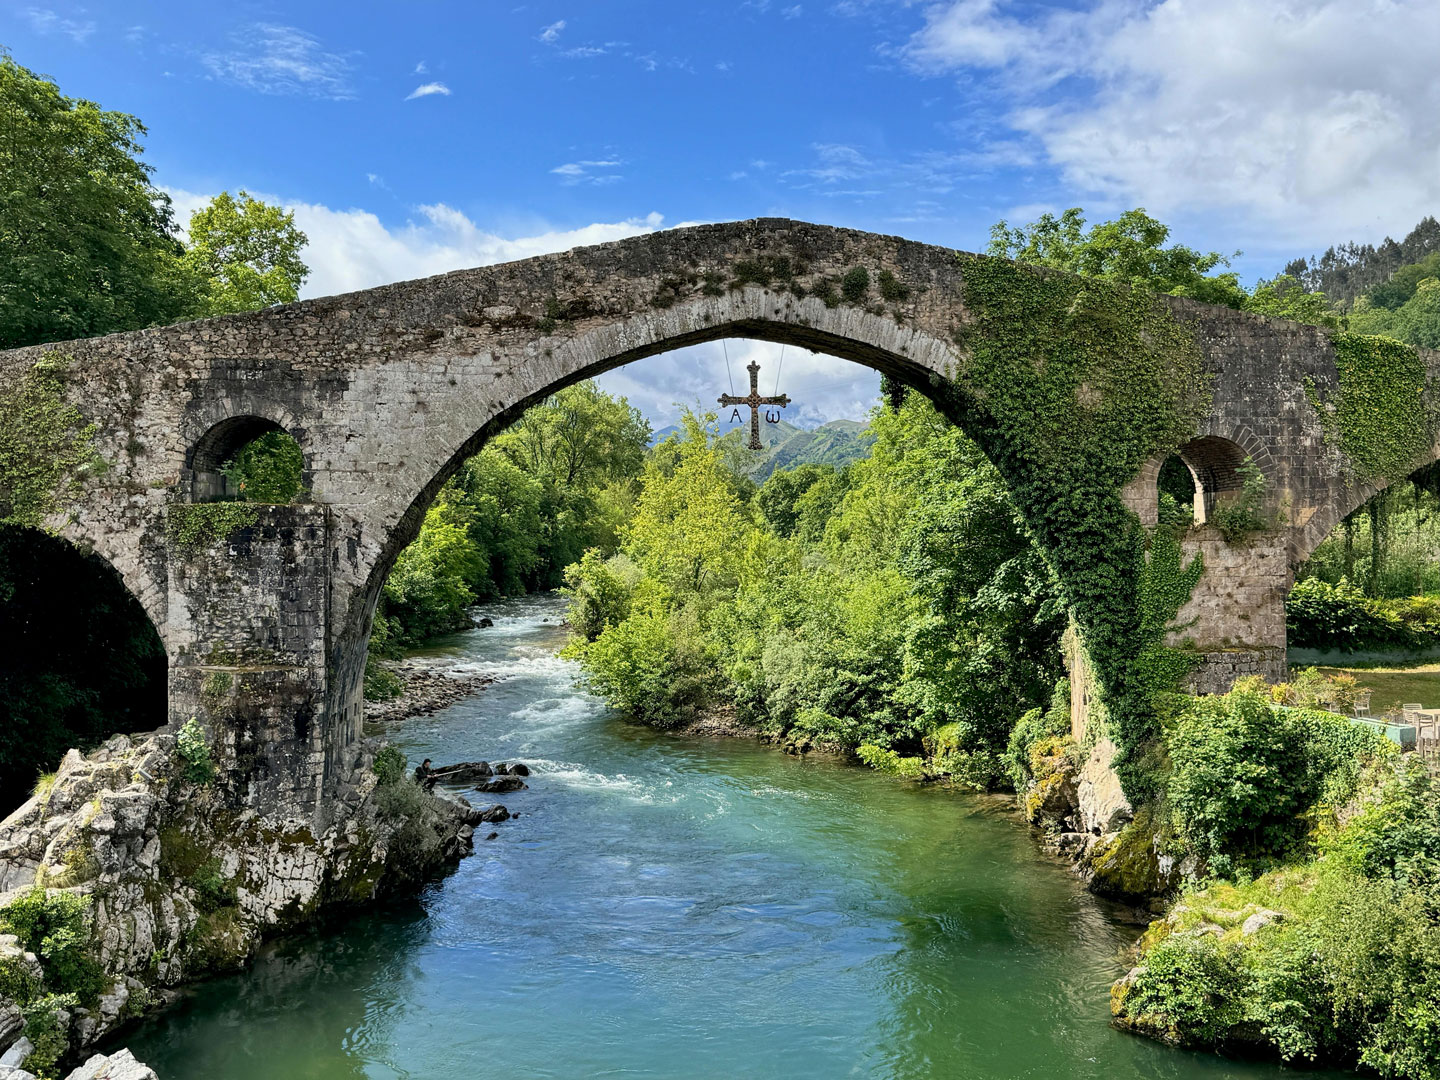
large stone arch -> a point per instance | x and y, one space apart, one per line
387 390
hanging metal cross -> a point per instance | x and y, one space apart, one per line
754 401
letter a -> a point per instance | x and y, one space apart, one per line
734 415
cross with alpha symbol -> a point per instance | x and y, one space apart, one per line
754 401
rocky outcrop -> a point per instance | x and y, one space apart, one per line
120 1065
181 881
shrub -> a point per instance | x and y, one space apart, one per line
1246 773
194 750
888 761
1190 991
1245 515
414 850
1033 727
43 1029
381 684
390 766
55 926
1320 615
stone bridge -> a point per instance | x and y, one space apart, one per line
389 390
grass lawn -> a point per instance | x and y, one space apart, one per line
1394 686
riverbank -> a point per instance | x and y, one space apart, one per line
425 690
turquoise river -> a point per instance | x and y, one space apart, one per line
679 907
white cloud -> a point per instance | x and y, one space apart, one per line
353 249
585 172
551 34
421 69
1308 119
45 21
272 59
792 12
428 90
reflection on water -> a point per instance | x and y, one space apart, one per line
668 907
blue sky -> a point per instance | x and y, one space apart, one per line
419 137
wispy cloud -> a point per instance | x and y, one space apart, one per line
589 172
793 12
421 69
429 89
273 59
45 21
551 34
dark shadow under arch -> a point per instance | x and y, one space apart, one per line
80 659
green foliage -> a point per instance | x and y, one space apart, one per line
1349 976
381 684
1243 516
1380 414
883 759
1284 297
213 890
558 482
1070 385
1033 728
855 284
193 527
1247 775
56 927
414 850
1406 308
431 585
88 240
1127 250
45 444
247 255
193 748
1190 991
896 605
45 1032
390 766
266 470
892 289
599 590
1320 615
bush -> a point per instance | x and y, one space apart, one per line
1035 726
43 1029
194 750
1246 773
381 684
1190 991
415 849
390 766
1340 616
56 927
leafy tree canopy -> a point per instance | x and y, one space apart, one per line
244 254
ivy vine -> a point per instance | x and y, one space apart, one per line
193 526
1380 415
1070 385
46 446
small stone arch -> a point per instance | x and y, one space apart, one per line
201 478
1214 461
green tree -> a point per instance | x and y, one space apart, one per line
244 254
88 240
1129 249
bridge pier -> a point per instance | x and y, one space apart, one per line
1235 617
249 634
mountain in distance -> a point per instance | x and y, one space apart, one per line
838 443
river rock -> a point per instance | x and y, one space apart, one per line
485 623
463 772
8 1073
492 836
120 1065
501 784
519 770
494 813
502 769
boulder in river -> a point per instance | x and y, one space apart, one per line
463 772
494 813
519 770
485 623
502 783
